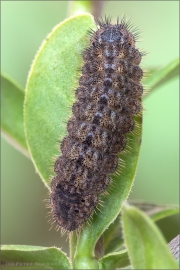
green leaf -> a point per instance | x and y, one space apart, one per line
33 257
12 97
115 260
163 75
118 193
146 246
50 90
163 213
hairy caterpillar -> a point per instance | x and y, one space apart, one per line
108 96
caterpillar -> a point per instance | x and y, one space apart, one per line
108 97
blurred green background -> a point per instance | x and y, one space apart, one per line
24 26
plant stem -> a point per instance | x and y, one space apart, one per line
72 245
97 7
93 7
99 248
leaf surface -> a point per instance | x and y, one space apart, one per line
50 90
33 257
146 246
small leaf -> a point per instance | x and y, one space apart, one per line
115 260
163 213
161 76
156 211
146 246
33 257
112 202
49 90
12 96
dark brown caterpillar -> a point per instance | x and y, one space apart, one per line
108 96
